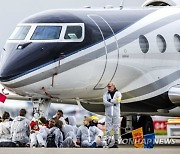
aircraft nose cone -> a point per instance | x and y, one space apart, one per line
9 62
6 72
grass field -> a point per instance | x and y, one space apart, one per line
160 132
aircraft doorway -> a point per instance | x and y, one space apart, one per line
111 52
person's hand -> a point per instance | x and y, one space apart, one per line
78 142
76 145
98 140
32 131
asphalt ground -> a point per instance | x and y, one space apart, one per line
162 146
127 150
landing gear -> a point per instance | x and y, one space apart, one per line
130 123
40 107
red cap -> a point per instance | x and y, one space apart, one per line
32 124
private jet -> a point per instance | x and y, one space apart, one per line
69 57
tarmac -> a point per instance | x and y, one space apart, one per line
162 146
169 150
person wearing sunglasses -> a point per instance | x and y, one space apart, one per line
112 99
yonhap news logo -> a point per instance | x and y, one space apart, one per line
148 141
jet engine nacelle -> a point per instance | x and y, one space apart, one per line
174 95
152 3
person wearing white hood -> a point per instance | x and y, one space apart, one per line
20 129
5 131
89 136
72 122
68 134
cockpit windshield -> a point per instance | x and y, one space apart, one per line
20 33
46 33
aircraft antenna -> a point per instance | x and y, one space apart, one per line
121 4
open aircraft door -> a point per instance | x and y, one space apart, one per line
111 52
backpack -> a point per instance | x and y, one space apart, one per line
51 140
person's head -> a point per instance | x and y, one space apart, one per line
22 112
111 87
5 115
86 121
67 120
59 114
42 121
59 123
94 119
52 122
34 125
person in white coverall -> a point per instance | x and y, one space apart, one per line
20 129
36 136
112 99
89 136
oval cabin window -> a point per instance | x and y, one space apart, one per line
161 43
144 44
177 42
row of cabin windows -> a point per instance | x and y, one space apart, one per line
161 43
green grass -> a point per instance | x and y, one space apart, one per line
160 132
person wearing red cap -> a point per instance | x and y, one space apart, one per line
36 139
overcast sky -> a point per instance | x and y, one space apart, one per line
13 11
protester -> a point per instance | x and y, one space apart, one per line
43 126
72 121
5 131
59 115
94 120
20 129
36 139
69 135
89 136
112 99
55 137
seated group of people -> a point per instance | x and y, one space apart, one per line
56 132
